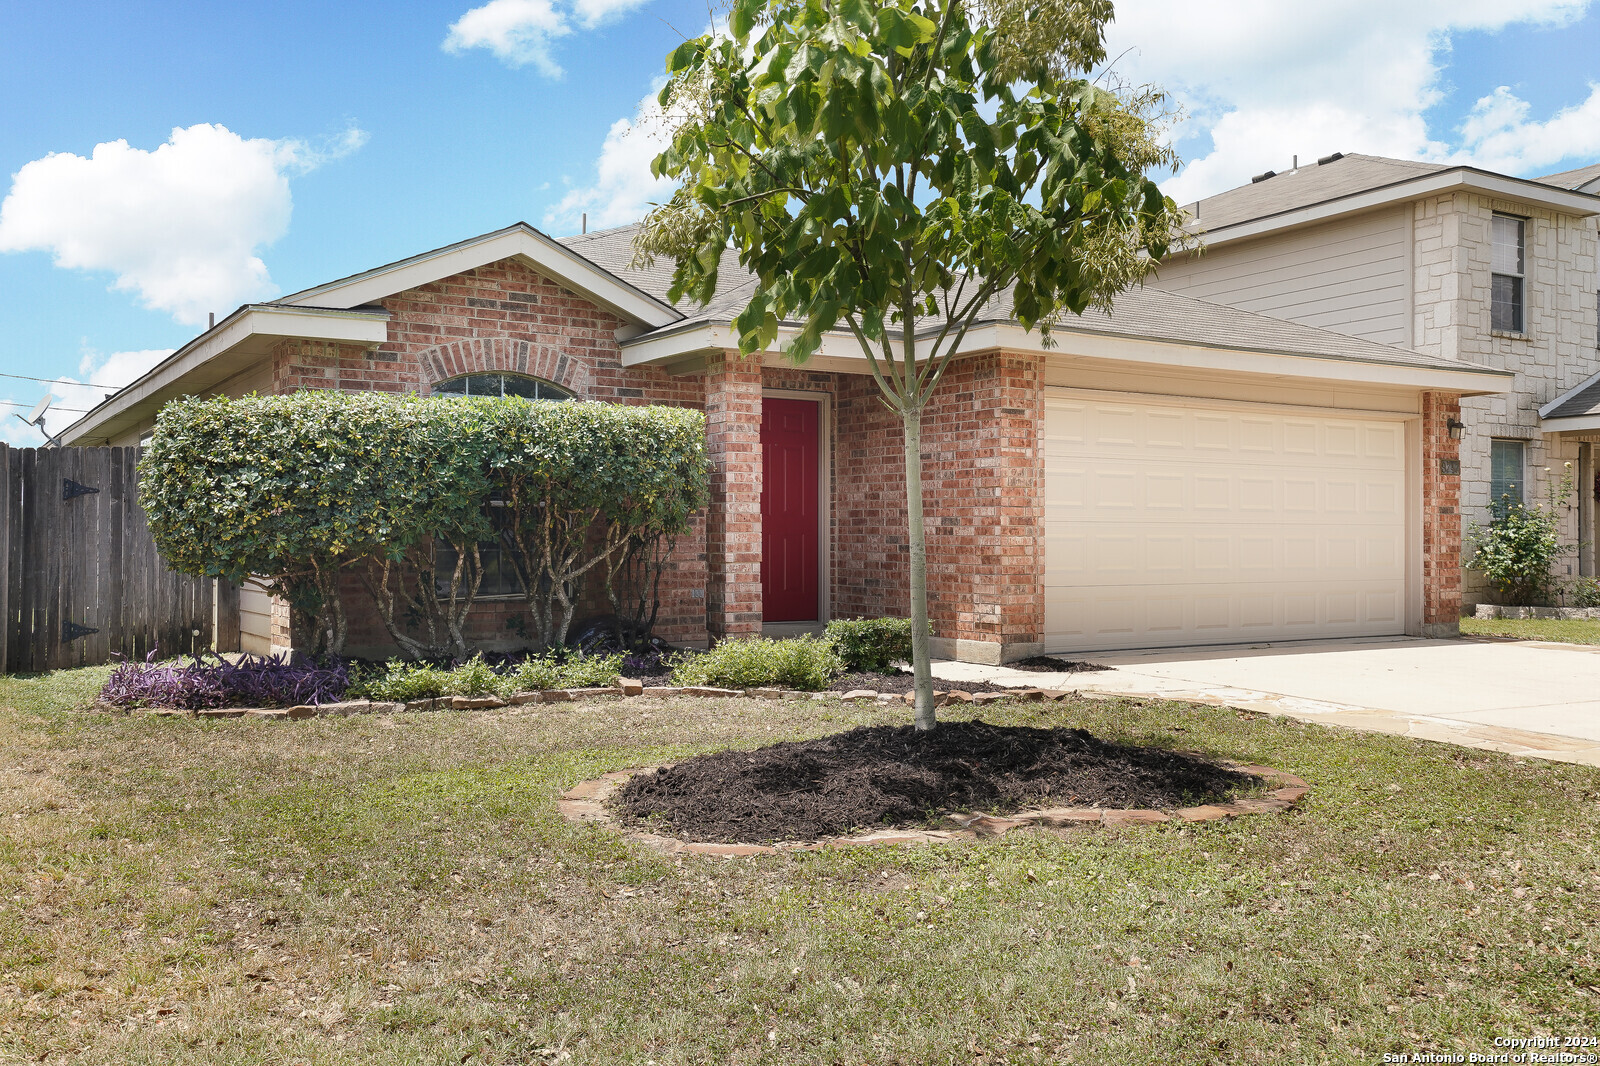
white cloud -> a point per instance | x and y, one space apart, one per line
180 226
1498 134
519 32
624 188
97 375
1268 80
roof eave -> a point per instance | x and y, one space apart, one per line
686 346
220 353
1580 204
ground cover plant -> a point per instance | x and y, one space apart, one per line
401 889
1559 630
285 680
400 681
877 776
803 663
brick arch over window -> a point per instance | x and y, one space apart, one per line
506 354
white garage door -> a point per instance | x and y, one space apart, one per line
1188 524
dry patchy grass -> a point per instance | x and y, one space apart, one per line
401 890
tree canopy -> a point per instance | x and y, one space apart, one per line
899 169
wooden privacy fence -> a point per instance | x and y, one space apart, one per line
81 581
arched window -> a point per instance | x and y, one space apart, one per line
499 575
497 384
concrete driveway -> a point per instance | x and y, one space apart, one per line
1518 696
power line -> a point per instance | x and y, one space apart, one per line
69 410
60 381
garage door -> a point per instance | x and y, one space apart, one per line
1190 524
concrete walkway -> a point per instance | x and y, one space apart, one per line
1523 697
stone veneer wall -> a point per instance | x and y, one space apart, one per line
1451 306
502 316
983 493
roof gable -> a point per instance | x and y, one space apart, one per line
520 241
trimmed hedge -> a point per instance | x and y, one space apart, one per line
297 489
871 644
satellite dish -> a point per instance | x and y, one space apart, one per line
38 410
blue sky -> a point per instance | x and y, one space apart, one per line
319 140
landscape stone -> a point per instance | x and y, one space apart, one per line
522 699
422 705
556 695
708 690
859 694
1205 813
1134 817
631 687
661 690
474 703
221 712
584 693
1065 817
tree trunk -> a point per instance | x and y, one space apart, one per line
921 653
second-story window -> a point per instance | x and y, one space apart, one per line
1507 311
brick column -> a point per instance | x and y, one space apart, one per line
983 477
1441 517
733 520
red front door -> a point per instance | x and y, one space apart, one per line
789 448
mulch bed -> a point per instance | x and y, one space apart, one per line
1050 664
901 683
896 776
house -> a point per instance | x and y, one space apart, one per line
1452 261
1176 472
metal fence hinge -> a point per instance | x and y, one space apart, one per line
71 490
71 631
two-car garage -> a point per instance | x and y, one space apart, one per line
1178 522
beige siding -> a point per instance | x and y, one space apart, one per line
255 620
1351 276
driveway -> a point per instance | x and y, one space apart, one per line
1518 696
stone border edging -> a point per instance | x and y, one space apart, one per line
628 687
585 803
1490 612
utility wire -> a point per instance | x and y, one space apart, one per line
60 381
69 410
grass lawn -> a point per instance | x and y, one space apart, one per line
1561 630
401 890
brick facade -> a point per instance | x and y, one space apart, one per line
1441 518
733 520
982 501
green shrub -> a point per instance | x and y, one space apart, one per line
872 644
803 663
1583 592
296 490
1516 549
574 671
400 682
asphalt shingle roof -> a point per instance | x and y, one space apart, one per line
1313 183
1583 402
1140 313
1572 179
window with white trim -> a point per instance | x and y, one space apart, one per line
1507 459
500 577
1507 313
497 384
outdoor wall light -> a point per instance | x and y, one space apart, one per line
1457 429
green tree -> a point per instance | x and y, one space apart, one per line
899 169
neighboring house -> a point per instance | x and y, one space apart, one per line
1174 473
1457 262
